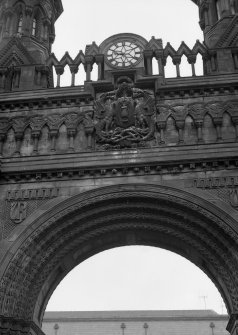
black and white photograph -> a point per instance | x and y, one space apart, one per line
118 167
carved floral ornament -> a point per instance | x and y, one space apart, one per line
104 212
144 108
125 118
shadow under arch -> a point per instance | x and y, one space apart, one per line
96 220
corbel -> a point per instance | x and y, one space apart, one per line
180 126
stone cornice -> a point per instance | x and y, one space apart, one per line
37 99
210 85
198 86
159 160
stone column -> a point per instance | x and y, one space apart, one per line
160 58
89 132
235 58
161 126
207 64
192 61
205 16
16 80
2 138
88 67
53 135
38 75
180 126
73 69
35 135
177 62
213 61
218 123
199 124
18 137
59 71
148 54
235 121
89 127
3 74
44 75
71 135
100 62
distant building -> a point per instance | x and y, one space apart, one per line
193 322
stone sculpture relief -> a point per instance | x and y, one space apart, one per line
18 211
125 118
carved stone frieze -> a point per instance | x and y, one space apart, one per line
32 194
125 118
226 188
213 182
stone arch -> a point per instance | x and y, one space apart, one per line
65 232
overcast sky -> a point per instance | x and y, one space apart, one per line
95 20
131 277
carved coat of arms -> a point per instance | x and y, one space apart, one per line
18 211
125 118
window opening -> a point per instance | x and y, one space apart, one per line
20 22
199 65
232 4
155 66
33 27
218 7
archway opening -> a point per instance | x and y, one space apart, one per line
136 278
68 232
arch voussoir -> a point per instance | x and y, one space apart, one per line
114 216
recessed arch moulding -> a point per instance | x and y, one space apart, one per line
54 240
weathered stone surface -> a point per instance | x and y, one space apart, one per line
133 158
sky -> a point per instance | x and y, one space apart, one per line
142 278
83 22
136 278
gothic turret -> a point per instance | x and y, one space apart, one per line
26 36
219 22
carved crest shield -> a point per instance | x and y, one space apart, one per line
18 211
125 118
